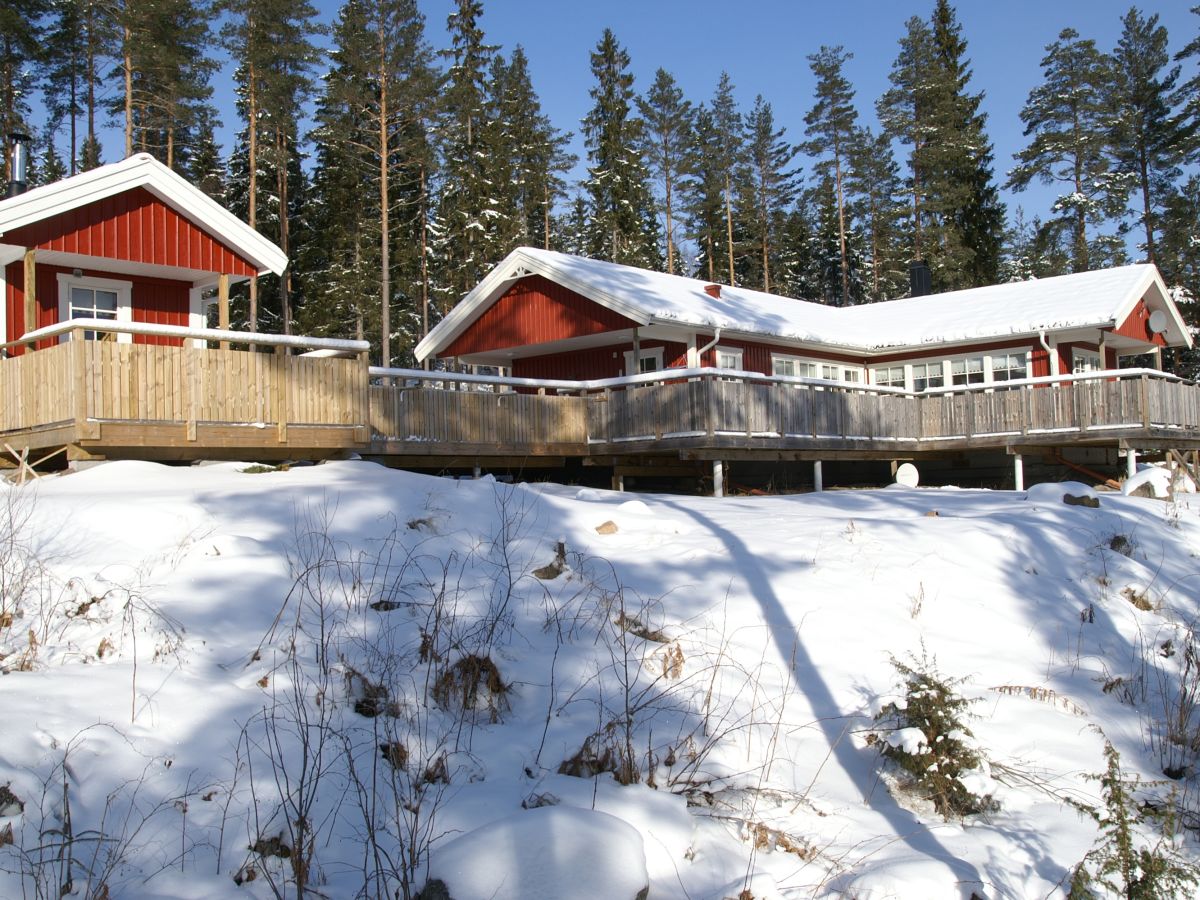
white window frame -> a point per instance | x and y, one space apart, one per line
1003 355
123 290
806 366
928 364
905 372
645 353
736 352
1092 360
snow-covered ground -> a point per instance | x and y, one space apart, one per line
224 683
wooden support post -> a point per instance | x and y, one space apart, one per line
80 382
223 306
818 476
1018 472
718 470
618 482
30 289
281 392
1130 463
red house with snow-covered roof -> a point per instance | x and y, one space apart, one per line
130 242
550 315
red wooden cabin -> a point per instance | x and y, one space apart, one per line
131 241
549 315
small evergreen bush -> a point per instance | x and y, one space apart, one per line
1124 863
926 736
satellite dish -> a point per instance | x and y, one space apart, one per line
1158 321
907 475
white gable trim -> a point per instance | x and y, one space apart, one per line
1164 302
143 170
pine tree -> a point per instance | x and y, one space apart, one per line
1147 141
20 51
1188 96
877 192
766 188
51 167
831 128
64 81
164 70
533 152
623 227
1066 118
669 147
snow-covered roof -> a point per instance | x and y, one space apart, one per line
143 170
1085 300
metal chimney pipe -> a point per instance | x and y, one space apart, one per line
19 161
920 279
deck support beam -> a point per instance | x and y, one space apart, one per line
718 472
30 290
1018 472
818 476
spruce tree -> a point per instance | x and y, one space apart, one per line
704 196
669 147
1066 117
370 208
469 208
1188 96
623 228
766 189
727 153
877 201
831 129
1147 141
533 152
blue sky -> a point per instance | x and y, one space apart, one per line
763 45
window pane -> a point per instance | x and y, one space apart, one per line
106 300
648 364
783 366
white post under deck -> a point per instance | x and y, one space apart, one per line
718 478
1130 463
1018 472
818 477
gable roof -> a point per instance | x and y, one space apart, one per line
1085 300
142 170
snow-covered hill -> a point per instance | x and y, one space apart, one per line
228 683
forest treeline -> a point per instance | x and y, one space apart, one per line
389 168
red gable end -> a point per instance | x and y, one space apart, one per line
133 226
535 310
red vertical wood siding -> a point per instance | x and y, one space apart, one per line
160 301
535 311
1137 326
594 362
134 226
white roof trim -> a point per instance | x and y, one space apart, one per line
143 170
517 264
1154 280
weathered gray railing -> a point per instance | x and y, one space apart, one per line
699 404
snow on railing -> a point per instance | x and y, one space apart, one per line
418 377
324 346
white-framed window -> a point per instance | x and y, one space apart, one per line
1084 361
1010 366
890 376
85 297
928 375
792 366
967 370
729 358
650 359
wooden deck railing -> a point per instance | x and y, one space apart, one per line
86 383
706 405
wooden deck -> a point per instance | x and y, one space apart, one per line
111 399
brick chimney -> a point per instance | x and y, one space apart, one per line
713 290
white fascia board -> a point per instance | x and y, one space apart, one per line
143 170
516 265
1153 279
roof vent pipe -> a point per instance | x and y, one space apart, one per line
19 163
920 279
